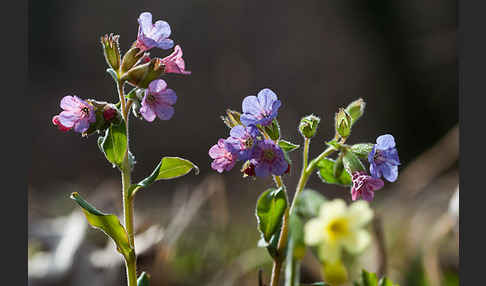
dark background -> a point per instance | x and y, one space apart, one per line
399 56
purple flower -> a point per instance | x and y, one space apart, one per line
158 101
224 156
243 140
153 35
383 158
261 109
174 63
78 114
364 186
268 159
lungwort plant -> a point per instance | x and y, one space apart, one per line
330 228
147 99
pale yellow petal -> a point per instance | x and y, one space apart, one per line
359 214
313 231
332 209
356 242
330 252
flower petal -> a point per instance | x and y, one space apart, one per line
390 172
359 214
251 105
357 241
168 96
145 22
166 44
68 119
69 103
147 112
81 126
267 97
238 131
164 111
332 209
330 252
313 231
157 86
384 142
160 30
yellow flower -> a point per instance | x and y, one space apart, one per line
339 226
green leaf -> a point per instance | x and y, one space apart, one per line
169 168
362 149
143 279
352 163
326 173
270 208
308 203
108 223
287 146
369 279
114 143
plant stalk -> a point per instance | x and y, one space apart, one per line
131 261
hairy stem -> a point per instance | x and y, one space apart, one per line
131 261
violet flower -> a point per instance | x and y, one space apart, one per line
78 114
383 158
243 140
174 63
153 35
269 159
364 186
224 156
158 101
260 109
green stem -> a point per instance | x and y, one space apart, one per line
131 261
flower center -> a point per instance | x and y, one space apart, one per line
150 98
379 158
268 155
85 111
248 143
338 228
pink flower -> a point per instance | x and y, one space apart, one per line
224 156
364 186
158 101
174 62
78 114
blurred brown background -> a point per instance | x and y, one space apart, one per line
399 56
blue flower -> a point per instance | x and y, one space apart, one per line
244 139
269 159
260 109
383 158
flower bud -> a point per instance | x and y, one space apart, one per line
308 126
130 58
248 169
106 113
356 109
343 123
143 74
232 119
335 273
111 50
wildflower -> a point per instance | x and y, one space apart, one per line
339 227
153 35
78 114
364 186
224 156
268 159
243 139
174 63
109 113
158 101
260 109
383 158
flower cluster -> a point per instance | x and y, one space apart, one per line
384 161
248 141
150 97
